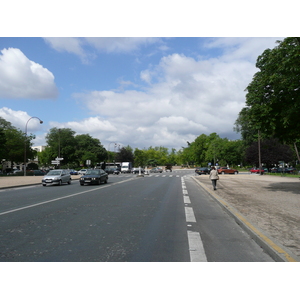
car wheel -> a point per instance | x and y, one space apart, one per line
60 183
236 173
44 184
105 181
69 182
99 181
223 173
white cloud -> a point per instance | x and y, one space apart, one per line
91 125
23 78
120 44
184 97
79 46
187 97
20 119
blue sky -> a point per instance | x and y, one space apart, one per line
131 91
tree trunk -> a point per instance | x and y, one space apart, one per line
297 153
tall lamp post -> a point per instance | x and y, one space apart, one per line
41 122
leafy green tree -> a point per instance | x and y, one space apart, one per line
89 148
140 158
273 96
62 143
2 143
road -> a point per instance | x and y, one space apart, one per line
156 218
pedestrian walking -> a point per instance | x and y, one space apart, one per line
213 176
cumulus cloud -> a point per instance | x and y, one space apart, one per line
19 119
91 125
23 78
187 97
183 97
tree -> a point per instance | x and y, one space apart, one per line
273 96
89 148
140 158
61 143
272 151
2 144
125 154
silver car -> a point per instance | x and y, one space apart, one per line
57 177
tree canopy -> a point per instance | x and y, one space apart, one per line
273 96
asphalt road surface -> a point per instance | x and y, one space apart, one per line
156 218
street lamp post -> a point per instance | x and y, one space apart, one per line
41 122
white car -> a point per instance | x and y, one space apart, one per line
82 172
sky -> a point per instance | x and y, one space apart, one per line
137 91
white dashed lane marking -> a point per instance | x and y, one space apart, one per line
196 249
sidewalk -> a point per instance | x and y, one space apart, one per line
265 203
14 181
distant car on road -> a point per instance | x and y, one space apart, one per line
82 171
73 172
57 177
112 170
94 176
137 170
225 170
200 171
156 170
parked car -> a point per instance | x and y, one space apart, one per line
57 177
200 171
137 170
82 171
94 176
225 170
38 172
156 170
256 170
292 170
279 170
73 172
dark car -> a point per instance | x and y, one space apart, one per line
200 171
112 170
94 176
38 173
73 172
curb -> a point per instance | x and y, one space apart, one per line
277 251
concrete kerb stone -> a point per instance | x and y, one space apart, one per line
277 251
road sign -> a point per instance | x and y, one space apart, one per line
59 158
55 162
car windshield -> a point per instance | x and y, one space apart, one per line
92 172
54 172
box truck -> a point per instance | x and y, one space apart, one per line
126 167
